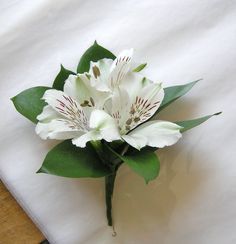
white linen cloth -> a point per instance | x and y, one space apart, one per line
193 200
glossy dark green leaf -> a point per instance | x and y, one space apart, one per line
94 53
189 124
172 93
29 102
144 162
61 78
70 161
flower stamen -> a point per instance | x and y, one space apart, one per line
96 71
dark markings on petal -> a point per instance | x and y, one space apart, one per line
129 121
132 110
151 108
88 76
127 127
136 119
92 101
71 100
61 109
96 71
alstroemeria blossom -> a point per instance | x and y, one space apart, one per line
110 102
77 114
134 100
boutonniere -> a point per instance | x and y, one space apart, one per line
106 113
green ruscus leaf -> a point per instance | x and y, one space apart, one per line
29 102
189 124
61 78
94 53
172 93
67 160
144 162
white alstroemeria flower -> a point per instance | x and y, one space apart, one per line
134 100
107 74
109 102
77 114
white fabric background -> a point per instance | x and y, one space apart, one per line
193 201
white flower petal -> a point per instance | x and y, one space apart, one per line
151 96
80 89
120 67
132 83
121 108
100 72
48 114
60 129
130 110
105 124
89 136
67 107
155 134
136 141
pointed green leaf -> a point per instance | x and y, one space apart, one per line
144 162
61 78
29 102
172 93
140 67
189 124
70 161
94 53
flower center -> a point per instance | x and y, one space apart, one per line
139 112
76 118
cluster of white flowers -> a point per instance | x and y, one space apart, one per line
112 102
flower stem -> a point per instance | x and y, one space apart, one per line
109 187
